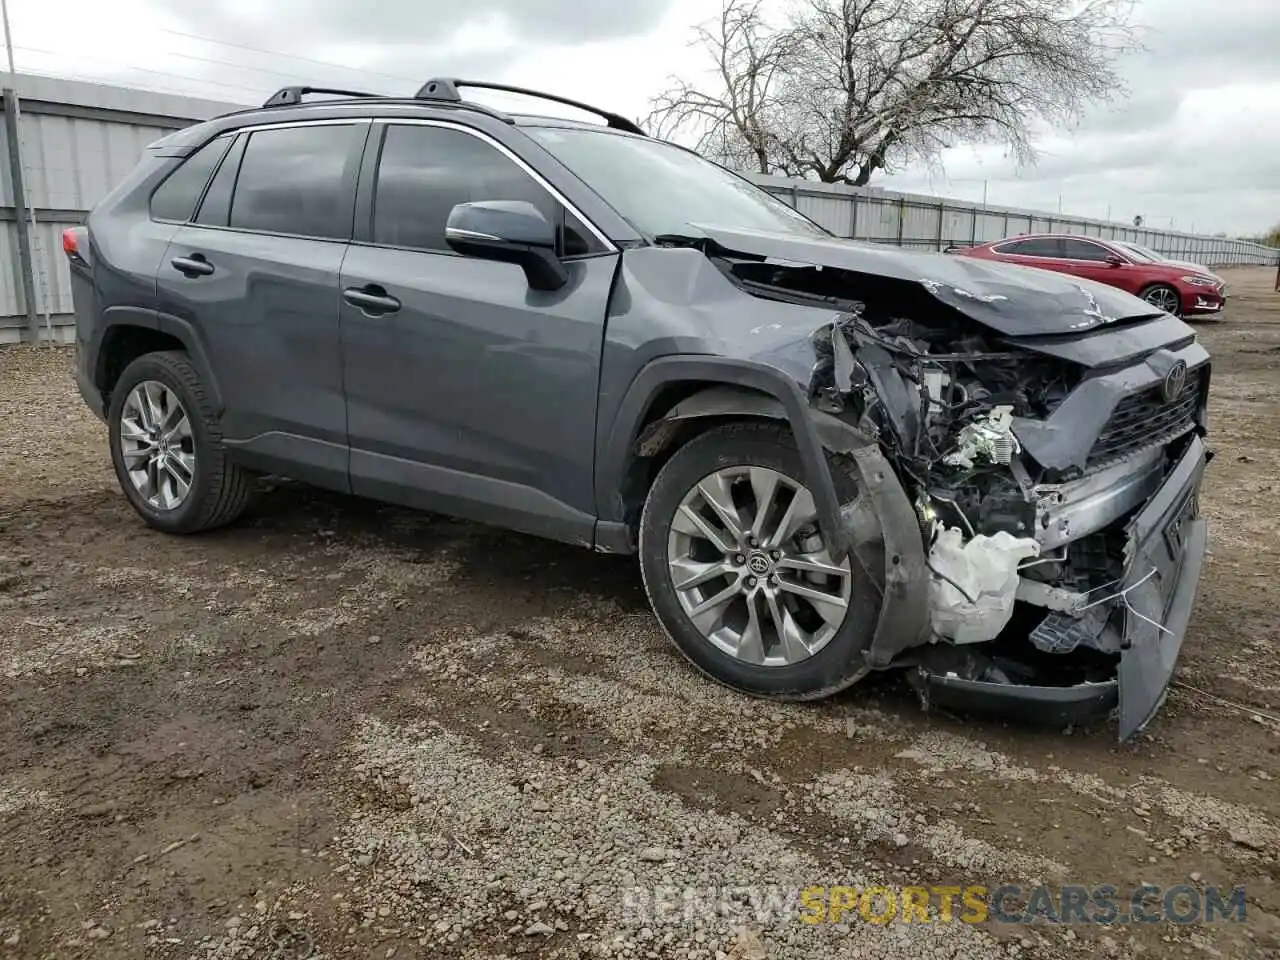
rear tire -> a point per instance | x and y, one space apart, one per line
818 651
167 450
1163 296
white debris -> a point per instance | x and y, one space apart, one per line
989 437
974 584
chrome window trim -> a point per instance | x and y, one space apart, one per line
996 248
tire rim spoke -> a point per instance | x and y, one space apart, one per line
793 643
764 484
711 611
799 511
751 641
687 574
811 563
831 607
689 521
715 493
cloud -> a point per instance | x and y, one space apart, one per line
1194 139
427 23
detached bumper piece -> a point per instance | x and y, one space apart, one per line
1051 706
1167 543
1165 549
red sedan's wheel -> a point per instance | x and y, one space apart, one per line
1163 296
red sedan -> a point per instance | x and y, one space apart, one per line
1179 290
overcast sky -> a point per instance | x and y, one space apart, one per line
1197 143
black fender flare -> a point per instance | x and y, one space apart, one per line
728 373
144 319
183 331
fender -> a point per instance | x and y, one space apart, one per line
186 333
729 373
904 601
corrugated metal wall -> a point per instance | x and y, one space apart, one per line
933 223
80 139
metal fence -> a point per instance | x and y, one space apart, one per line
79 139
935 223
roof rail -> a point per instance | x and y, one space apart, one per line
291 96
446 89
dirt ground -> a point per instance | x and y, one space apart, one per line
347 730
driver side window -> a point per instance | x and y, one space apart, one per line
424 171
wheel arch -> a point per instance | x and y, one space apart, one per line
131 334
675 398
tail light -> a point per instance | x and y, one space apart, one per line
75 244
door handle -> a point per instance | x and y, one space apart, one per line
372 299
193 266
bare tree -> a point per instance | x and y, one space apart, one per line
844 88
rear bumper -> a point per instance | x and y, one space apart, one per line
84 382
1165 552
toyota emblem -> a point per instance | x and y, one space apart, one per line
1174 381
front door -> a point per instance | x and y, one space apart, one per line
469 392
1089 260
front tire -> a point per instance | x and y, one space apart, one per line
738 574
1163 296
166 447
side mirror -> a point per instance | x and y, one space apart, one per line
510 231
1116 260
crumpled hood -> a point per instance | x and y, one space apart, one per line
1012 300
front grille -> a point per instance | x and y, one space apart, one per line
1145 419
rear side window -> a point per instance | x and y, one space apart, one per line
176 197
1033 247
294 180
425 171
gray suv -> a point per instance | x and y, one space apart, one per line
832 458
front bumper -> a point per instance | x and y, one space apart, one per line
1202 300
1164 554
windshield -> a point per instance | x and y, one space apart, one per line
1145 253
664 190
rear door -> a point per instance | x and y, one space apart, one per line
255 275
470 392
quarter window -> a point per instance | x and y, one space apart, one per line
177 196
217 199
293 180
425 171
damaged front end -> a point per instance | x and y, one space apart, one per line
1054 480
